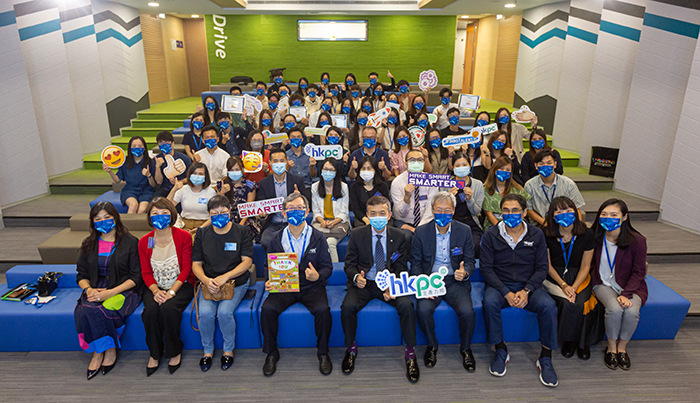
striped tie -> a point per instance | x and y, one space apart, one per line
379 258
416 207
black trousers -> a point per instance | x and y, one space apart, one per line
356 299
459 298
162 322
314 299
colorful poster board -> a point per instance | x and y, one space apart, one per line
252 161
422 286
113 156
233 103
283 272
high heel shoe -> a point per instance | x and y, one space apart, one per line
173 368
152 370
107 368
91 373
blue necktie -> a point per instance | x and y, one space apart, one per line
379 258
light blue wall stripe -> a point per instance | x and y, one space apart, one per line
620 30
76 34
554 33
671 25
110 33
582 34
39 29
7 18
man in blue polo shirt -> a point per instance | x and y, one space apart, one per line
369 147
165 142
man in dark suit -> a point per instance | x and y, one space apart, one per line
372 249
446 243
279 184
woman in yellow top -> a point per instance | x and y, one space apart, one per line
330 205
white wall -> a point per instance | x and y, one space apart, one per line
458 68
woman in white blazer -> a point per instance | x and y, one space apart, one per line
330 204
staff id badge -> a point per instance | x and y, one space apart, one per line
151 243
456 251
230 246
202 200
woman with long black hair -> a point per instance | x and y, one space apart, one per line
330 205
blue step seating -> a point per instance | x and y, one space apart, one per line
112 197
52 327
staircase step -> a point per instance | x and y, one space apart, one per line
47 211
586 181
146 124
669 244
83 182
20 245
145 132
123 141
148 115
639 209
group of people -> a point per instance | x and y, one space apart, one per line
517 213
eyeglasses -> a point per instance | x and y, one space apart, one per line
443 211
293 208
512 211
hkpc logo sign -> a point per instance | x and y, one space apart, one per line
323 152
422 286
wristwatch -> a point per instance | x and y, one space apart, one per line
171 292
527 291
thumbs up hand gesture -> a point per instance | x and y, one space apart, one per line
361 280
460 273
311 273
174 168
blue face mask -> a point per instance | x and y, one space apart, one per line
403 141
377 93
224 125
105 226
610 223
160 221
296 217
220 220
325 81
296 142
367 108
350 82
545 170
503 175
210 143
289 125
328 175
273 105
304 86
346 110
235 175
334 93
266 122
481 122
355 94
512 220
369 143
435 143
373 81
296 103
260 91
284 93
323 123
210 105
378 223
278 80
197 179
312 94
462 172
325 107
423 123
333 140
475 145
445 100
166 148
197 124
137 151
418 105
362 121
454 120
403 89
392 120
443 220
504 120
498 145
279 167
537 144
565 219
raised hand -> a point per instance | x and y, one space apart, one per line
408 189
382 165
460 273
361 280
311 273
354 163
106 168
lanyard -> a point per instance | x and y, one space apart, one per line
362 150
567 255
544 189
291 244
198 144
607 254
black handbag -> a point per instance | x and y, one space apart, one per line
48 283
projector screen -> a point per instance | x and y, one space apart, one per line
325 30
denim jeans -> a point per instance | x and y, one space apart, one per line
210 310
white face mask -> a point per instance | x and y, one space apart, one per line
367 175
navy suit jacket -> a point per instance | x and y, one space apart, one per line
359 255
423 249
266 190
316 253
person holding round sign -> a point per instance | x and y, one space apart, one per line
516 131
192 195
256 144
445 242
330 205
138 189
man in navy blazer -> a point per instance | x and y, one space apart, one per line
444 242
279 184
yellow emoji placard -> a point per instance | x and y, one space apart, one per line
252 161
113 156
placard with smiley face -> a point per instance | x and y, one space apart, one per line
113 156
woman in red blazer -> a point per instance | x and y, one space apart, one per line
617 274
166 262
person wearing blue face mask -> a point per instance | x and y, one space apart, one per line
367 105
516 131
452 128
387 131
438 156
368 184
108 270
334 136
377 96
350 80
299 163
446 105
266 121
280 184
514 263
469 199
166 268
313 99
334 94
548 185
369 147
277 80
499 183
446 243
303 87
374 79
499 146
238 189
325 107
418 105
538 142
570 244
356 96
138 189
192 140
397 155
232 139
192 196
372 249
405 97
211 108
618 276
330 202
261 93
212 156
158 165
325 82
222 255
315 267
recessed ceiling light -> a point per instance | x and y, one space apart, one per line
161 15
510 5
464 17
153 4
195 15
499 16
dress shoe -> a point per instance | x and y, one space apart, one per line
349 362
568 349
468 360
173 368
623 361
610 359
226 362
205 363
91 373
325 365
412 370
150 371
107 368
270 365
584 353
430 357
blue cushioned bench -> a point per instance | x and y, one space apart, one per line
181 130
112 197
